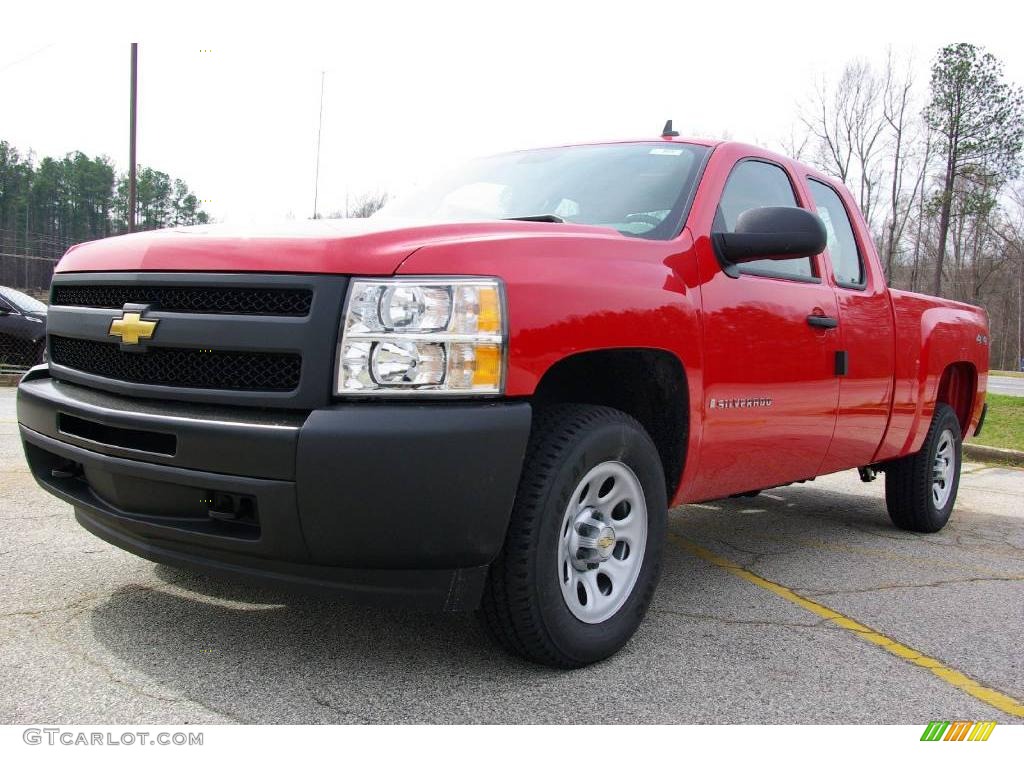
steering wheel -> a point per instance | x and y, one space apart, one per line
646 218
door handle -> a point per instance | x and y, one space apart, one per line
822 321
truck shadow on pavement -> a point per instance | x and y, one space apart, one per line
253 654
256 655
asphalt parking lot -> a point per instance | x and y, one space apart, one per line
803 605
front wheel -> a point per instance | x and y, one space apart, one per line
583 551
920 489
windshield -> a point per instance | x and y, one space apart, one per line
638 189
21 301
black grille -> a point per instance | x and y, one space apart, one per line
172 367
198 299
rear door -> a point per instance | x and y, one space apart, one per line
770 389
866 334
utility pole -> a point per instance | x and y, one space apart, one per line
319 129
131 138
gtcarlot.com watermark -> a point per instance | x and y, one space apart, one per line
69 737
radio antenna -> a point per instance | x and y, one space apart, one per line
319 129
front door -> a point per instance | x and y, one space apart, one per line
770 385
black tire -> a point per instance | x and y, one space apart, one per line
523 607
908 481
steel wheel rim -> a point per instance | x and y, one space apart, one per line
943 469
602 540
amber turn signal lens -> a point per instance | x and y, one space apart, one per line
489 318
487 374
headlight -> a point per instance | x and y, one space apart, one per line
438 336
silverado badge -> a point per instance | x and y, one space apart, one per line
130 327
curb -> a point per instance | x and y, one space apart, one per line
10 379
987 453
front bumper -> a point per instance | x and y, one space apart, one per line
404 503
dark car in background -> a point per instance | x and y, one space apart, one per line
22 329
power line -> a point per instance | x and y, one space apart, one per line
50 259
16 62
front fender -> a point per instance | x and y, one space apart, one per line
568 295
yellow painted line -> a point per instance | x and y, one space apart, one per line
982 693
888 555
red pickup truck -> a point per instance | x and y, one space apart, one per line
488 395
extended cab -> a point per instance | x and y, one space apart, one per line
488 395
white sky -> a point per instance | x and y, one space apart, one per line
413 87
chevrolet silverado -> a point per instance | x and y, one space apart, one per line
488 395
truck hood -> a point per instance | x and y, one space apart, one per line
375 246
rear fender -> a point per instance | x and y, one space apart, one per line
953 343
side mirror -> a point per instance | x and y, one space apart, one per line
776 233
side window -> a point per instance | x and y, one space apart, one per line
755 184
842 245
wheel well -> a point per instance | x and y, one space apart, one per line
956 389
648 384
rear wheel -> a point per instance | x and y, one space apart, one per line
583 550
920 489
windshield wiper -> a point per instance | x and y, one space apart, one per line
550 218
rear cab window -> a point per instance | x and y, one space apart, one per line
755 183
847 260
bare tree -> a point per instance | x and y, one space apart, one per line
367 205
831 135
1010 231
847 126
796 144
363 207
923 238
935 184
897 113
